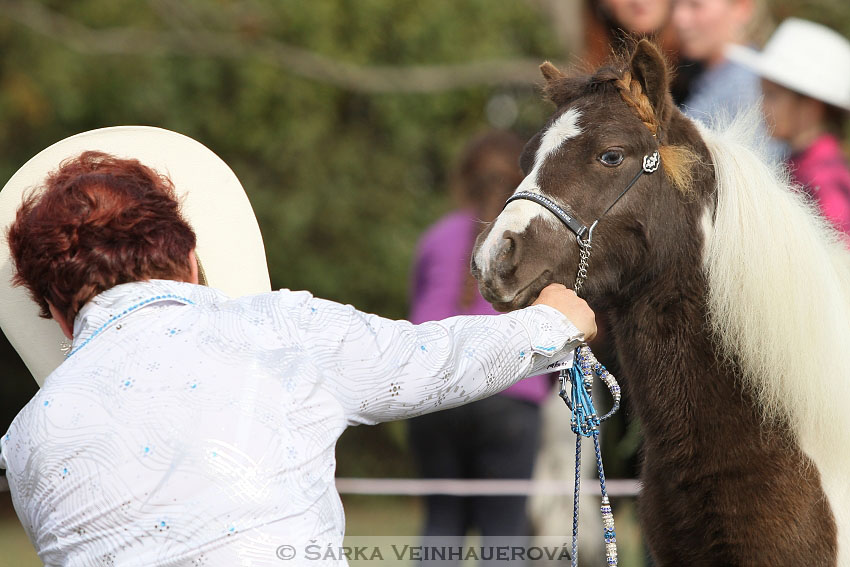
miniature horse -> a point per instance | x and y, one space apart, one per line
728 300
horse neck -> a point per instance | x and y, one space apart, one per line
668 358
708 452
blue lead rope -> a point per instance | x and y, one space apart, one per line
585 423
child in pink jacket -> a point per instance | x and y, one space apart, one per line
805 70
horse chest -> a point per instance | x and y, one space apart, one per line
721 485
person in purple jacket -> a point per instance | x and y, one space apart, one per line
496 437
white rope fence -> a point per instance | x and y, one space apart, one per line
479 487
465 487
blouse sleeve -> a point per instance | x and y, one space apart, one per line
383 370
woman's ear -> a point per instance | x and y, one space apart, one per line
63 322
193 265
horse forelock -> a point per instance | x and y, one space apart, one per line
779 304
615 76
632 94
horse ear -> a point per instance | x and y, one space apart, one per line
550 72
650 69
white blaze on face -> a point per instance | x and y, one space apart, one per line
517 215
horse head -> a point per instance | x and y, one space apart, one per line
589 151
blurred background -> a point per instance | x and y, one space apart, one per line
341 118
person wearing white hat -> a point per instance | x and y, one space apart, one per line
805 78
186 426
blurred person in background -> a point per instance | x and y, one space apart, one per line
805 78
706 29
611 25
497 437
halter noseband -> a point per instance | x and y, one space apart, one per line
649 166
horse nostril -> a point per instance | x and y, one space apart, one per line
509 249
503 251
473 268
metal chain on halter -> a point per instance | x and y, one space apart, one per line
585 423
584 247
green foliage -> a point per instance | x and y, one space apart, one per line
342 183
832 13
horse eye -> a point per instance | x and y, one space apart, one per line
612 157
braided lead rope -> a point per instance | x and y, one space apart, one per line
575 501
608 532
585 423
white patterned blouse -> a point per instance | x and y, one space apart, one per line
189 428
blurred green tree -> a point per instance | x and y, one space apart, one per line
341 119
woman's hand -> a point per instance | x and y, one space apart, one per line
571 305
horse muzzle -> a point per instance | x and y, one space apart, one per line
503 277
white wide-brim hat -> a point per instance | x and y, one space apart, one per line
804 57
229 244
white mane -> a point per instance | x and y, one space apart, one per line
779 300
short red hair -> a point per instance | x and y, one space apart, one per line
99 222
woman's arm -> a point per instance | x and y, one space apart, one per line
382 370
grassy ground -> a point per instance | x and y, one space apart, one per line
395 518
371 521
15 548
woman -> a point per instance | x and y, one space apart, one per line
190 428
